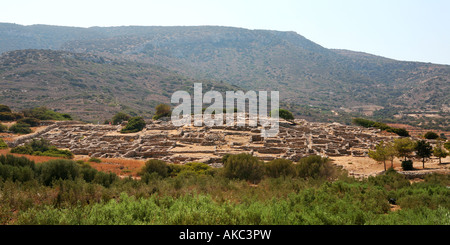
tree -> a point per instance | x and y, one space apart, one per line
135 124
283 113
423 150
382 153
431 136
403 147
119 118
4 108
162 110
440 152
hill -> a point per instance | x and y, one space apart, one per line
87 86
312 80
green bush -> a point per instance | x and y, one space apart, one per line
41 147
3 128
4 108
94 159
16 168
59 169
120 117
431 135
3 145
135 124
315 167
283 113
407 165
20 128
280 168
447 145
162 110
33 122
9 116
43 113
155 166
243 167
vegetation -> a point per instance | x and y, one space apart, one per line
3 128
431 135
20 128
135 124
41 147
33 122
423 150
440 152
243 167
43 113
372 124
94 159
407 165
383 153
404 147
65 192
283 113
3 145
120 117
162 110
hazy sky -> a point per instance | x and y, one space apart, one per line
415 30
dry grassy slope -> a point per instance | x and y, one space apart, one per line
87 86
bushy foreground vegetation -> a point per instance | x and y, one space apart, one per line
309 192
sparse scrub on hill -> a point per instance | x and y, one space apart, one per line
135 124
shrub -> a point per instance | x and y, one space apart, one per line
447 145
94 159
162 110
431 136
9 116
407 165
243 167
20 128
119 118
41 147
135 124
283 113
58 170
43 113
16 161
33 122
4 108
3 145
3 128
198 168
280 168
315 167
155 166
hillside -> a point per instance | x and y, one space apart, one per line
308 76
89 87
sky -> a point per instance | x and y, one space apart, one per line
412 30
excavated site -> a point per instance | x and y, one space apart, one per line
162 140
